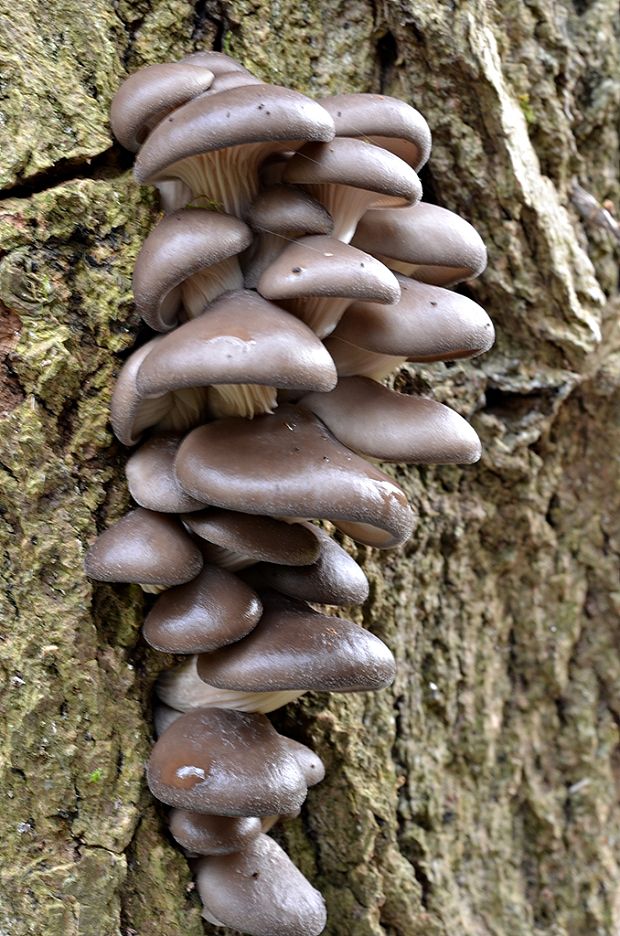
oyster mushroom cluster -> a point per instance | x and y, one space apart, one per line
293 269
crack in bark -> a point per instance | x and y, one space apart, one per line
110 163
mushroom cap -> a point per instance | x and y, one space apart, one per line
324 266
213 610
334 579
358 164
126 399
288 464
217 62
151 480
144 547
428 323
225 763
149 94
248 114
260 538
378 422
311 764
294 647
241 338
212 835
260 892
384 121
289 212
178 247
434 245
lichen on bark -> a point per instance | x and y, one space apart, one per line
479 795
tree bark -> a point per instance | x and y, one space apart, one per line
479 795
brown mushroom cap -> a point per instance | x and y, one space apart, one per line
384 121
225 763
259 538
218 62
390 426
334 579
288 212
426 242
294 647
428 323
241 338
319 277
147 96
181 245
144 547
151 480
213 610
261 118
260 892
288 464
311 764
212 835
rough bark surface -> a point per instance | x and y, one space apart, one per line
479 796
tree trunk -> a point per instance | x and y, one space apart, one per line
479 795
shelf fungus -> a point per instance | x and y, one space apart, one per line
295 268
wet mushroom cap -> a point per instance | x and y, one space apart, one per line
212 835
426 242
225 763
248 114
181 245
241 338
289 464
148 95
259 538
144 547
334 579
391 426
294 647
428 323
260 892
151 480
213 610
384 121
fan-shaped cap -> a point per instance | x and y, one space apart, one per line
147 96
288 464
384 121
288 212
218 62
212 835
393 427
259 538
426 242
213 610
334 579
294 647
248 114
182 244
151 480
260 892
144 547
225 763
428 323
241 338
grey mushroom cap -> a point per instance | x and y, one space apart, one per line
214 609
258 538
218 62
181 245
311 764
147 96
201 834
260 892
390 426
288 212
151 479
225 763
248 114
426 242
241 338
294 647
144 547
334 579
384 121
289 464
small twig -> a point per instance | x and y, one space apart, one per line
593 212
